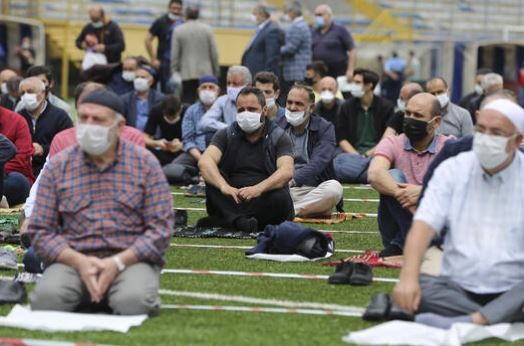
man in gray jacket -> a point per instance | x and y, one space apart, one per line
193 53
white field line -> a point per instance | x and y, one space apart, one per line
349 232
259 274
240 247
261 309
261 301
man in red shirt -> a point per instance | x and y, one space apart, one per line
18 171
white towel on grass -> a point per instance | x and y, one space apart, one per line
287 258
410 333
54 321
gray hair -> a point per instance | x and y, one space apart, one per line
501 94
491 82
294 6
40 84
263 10
242 71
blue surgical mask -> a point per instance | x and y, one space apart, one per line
319 21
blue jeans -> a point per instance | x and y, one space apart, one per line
32 263
351 168
394 221
16 188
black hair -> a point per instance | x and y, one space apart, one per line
192 12
368 76
319 67
250 90
171 104
38 70
268 77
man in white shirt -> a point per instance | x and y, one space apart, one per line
478 196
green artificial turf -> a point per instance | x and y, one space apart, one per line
185 327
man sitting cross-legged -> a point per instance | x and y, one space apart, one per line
102 219
247 168
477 196
409 154
313 189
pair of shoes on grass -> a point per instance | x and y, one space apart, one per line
382 308
352 273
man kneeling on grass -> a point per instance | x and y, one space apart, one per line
247 168
102 219
478 196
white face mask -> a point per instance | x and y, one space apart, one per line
95 139
128 76
207 96
97 25
171 121
30 101
232 92
356 90
295 118
141 84
254 19
3 88
478 89
327 96
173 16
401 105
249 122
443 99
270 102
490 150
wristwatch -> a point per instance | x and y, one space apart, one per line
119 264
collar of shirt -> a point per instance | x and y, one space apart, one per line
430 149
43 108
263 24
298 19
118 156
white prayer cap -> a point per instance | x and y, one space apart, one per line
510 110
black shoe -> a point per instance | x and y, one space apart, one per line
180 218
210 222
246 224
396 313
25 240
391 250
362 274
342 273
378 309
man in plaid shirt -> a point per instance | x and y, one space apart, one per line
102 219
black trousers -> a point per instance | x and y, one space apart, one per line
271 208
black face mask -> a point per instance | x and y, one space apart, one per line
308 81
415 129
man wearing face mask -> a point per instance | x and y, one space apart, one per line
102 35
268 83
329 104
162 28
313 188
396 122
10 99
314 73
102 219
398 168
44 119
333 44
456 120
193 53
263 49
224 110
477 90
138 103
247 168
490 83
477 195
122 79
361 124
4 76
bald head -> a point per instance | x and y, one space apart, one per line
7 74
325 12
96 13
423 106
328 83
409 90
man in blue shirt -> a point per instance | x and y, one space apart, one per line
185 165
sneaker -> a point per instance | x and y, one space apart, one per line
362 274
391 250
342 273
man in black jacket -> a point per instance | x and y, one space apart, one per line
44 119
361 124
102 35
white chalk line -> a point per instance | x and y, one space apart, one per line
261 301
261 309
260 274
240 247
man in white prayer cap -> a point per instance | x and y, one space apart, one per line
479 197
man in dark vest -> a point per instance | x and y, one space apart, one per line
247 169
